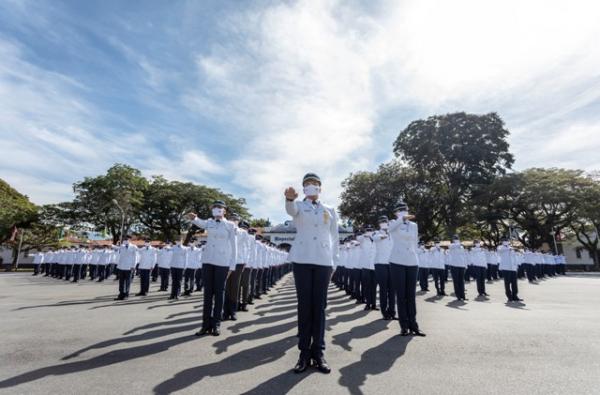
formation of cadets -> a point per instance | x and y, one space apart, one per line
235 265
364 267
232 271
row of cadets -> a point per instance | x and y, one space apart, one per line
234 281
248 283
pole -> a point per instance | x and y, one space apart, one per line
19 249
554 239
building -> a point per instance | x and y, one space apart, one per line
284 234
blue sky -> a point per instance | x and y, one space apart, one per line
249 96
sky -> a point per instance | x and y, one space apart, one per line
248 96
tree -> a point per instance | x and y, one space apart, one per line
15 211
95 199
368 195
260 223
586 222
36 236
165 204
457 152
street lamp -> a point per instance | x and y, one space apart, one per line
122 220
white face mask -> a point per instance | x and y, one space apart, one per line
383 225
218 212
369 234
401 214
312 190
505 243
126 243
455 241
437 245
477 245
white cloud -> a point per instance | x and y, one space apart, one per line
52 137
308 81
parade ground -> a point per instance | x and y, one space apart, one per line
63 338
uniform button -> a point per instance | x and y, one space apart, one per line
314 238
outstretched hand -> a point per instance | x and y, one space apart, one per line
291 194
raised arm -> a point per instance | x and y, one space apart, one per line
290 202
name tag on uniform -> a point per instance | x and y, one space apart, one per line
325 217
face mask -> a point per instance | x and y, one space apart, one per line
218 212
383 225
437 245
126 243
476 245
369 234
454 241
312 190
401 214
505 243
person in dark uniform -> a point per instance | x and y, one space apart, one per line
313 254
403 268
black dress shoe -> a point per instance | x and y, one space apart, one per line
517 299
301 365
203 331
233 317
375 308
216 332
416 332
251 302
367 307
404 332
321 365
119 298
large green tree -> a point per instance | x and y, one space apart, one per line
367 195
15 211
165 204
97 199
457 152
586 220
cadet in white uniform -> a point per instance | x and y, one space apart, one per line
232 287
457 259
163 258
38 259
367 276
147 262
383 249
218 259
437 263
128 258
179 261
479 262
403 267
423 272
193 266
314 253
508 268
